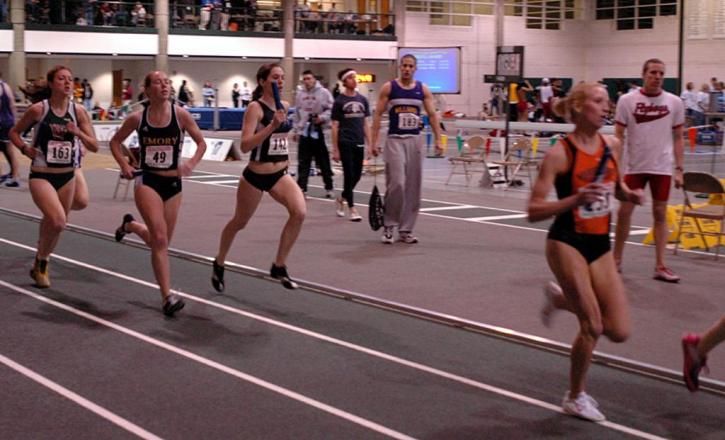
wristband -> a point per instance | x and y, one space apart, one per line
679 169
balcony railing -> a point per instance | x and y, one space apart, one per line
84 13
222 18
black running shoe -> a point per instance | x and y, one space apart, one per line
217 277
172 304
280 273
121 231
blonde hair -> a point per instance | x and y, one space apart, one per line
566 107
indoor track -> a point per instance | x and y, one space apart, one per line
93 357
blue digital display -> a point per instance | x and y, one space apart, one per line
438 68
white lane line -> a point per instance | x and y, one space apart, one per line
215 365
445 208
78 399
339 342
496 217
427 211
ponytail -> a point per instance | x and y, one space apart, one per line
257 93
36 92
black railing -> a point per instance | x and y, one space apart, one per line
214 17
224 18
90 13
350 23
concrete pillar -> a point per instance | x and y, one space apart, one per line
288 62
161 19
399 11
498 28
16 62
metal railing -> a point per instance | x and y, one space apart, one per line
219 17
99 13
223 18
346 23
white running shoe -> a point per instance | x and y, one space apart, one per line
584 407
387 237
339 207
551 290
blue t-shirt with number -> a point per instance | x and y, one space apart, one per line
350 112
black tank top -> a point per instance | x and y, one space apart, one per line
159 146
274 146
59 147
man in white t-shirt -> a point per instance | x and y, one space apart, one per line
546 92
689 98
649 124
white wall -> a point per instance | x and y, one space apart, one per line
98 71
89 42
582 50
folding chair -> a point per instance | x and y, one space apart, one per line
517 158
132 154
698 182
471 156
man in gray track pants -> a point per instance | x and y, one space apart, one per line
404 99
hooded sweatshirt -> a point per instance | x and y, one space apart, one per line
307 102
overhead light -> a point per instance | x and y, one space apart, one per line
359 59
307 58
185 56
115 54
244 58
48 53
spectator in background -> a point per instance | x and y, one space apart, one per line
127 92
689 98
713 84
205 16
496 98
7 120
183 96
236 93
303 14
313 105
215 16
208 93
138 15
77 90
89 11
649 124
87 94
246 95
350 23
523 102
703 103
546 93
313 20
334 24
225 15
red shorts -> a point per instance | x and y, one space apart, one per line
522 106
659 184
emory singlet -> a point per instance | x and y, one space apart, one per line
160 147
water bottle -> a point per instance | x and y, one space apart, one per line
459 140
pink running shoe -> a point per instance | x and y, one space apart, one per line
666 274
693 364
